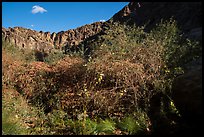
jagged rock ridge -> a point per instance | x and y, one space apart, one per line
27 38
187 14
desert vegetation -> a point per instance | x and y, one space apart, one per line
105 88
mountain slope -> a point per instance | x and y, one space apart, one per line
26 38
187 14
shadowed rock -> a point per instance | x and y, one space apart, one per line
187 92
187 14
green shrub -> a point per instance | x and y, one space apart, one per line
54 56
106 126
177 49
18 118
9 47
132 65
11 126
26 55
134 124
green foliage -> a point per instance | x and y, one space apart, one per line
19 54
18 118
10 126
173 108
177 50
56 118
53 57
106 126
82 127
9 47
91 127
130 125
80 51
135 123
31 55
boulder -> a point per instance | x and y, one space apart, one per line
187 92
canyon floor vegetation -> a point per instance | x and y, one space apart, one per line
107 87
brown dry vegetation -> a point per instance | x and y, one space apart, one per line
126 69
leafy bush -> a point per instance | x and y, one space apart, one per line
132 65
137 123
54 56
106 126
177 50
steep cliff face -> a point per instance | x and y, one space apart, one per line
74 36
187 14
26 38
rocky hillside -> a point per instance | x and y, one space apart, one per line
187 14
28 38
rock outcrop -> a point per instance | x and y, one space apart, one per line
74 36
27 38
187 91
187 14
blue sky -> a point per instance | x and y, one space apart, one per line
56 16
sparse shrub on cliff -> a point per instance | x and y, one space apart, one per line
9 47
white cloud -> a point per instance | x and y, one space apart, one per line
102 20
37 9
